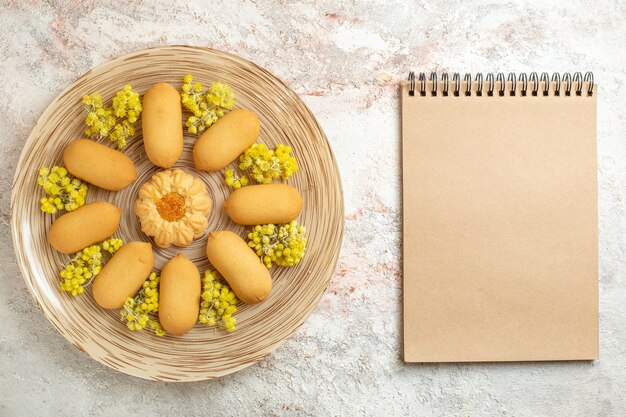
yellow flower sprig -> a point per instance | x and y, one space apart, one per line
283 245
206 105
265 165
137 309
115 122
218 302
85 265
63 191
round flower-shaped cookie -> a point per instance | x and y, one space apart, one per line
173 207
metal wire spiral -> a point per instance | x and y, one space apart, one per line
531 84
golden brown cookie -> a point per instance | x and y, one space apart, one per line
179 295
232 257
99 165
89 224
223 142
123 274
264 204
161 125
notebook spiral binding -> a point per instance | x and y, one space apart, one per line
530 83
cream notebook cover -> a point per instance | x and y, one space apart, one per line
500 218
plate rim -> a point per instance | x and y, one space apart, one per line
22 261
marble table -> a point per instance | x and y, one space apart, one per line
345 59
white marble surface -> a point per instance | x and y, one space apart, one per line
345 59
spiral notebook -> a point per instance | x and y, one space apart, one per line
500 227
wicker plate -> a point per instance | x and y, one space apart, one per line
203 352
